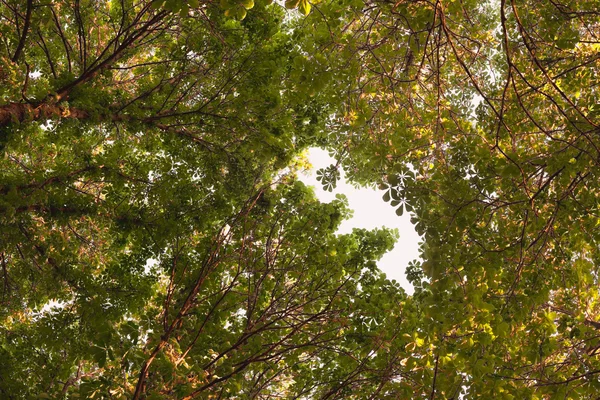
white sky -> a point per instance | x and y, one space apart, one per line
370 211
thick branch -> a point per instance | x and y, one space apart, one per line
22 112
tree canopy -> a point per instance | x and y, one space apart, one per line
155 242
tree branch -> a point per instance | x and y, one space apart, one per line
23 39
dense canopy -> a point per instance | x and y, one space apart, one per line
155 242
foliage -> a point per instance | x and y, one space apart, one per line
154 242
480 118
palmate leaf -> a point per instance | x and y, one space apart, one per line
328 177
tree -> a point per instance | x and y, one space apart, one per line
151 245
188 119
235 312
483 124
143 147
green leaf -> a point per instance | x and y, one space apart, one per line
400 210
386 196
